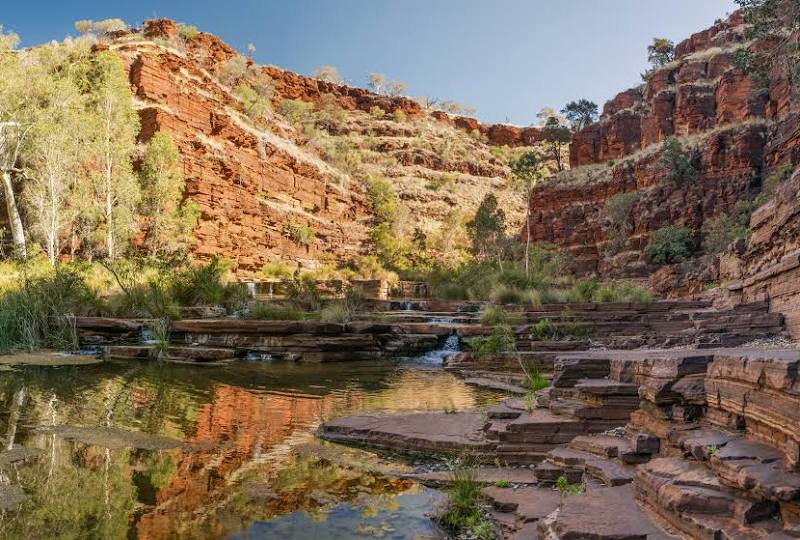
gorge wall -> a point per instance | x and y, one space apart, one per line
253 183
736 132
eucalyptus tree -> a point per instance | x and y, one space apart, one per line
526 171
56 148
114 125
17 117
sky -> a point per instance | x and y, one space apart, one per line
505 58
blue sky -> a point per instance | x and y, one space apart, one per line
506 58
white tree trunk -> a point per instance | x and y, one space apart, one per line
15 221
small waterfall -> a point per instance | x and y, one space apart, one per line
254 356
252 289
436 357
147 337
408 306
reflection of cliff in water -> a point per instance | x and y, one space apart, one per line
238 424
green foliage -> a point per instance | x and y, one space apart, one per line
501 340
295 110
555 135
497 315
720 230
593 290
254 105
670 244
676 162
772 182
40 312
462 514
187 31
487 229
383 198
276 269
161 292
273 312
303 292
774 24
503 484
170 219
446 181
565 489
343 310
303 234
543 329
617 212
114 125
580 113
661 52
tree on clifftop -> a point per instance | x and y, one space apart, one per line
555 136
661 52
328 74
775 24
580 113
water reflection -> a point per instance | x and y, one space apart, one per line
215 452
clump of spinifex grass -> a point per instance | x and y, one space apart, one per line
463 512
40 312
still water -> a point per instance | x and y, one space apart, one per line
137 450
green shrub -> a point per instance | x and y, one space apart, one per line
565 489
501 340
382 198
336 312
254 105
187 31
296 111
543 329
617 212
503 484
303 292
462 515
670 244
273 312
494 315
676 162
447 181
276 269
719 231
302 235
39 313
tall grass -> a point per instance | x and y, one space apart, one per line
40 312
462 515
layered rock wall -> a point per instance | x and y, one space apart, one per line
251 185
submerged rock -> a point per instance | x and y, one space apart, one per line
111 438
48 358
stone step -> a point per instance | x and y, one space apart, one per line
743 464
691 498
608 471
601 514
547 473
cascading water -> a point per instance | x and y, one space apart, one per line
254 356
147 337
436 357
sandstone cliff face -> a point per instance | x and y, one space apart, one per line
254 182
251 185
735 131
